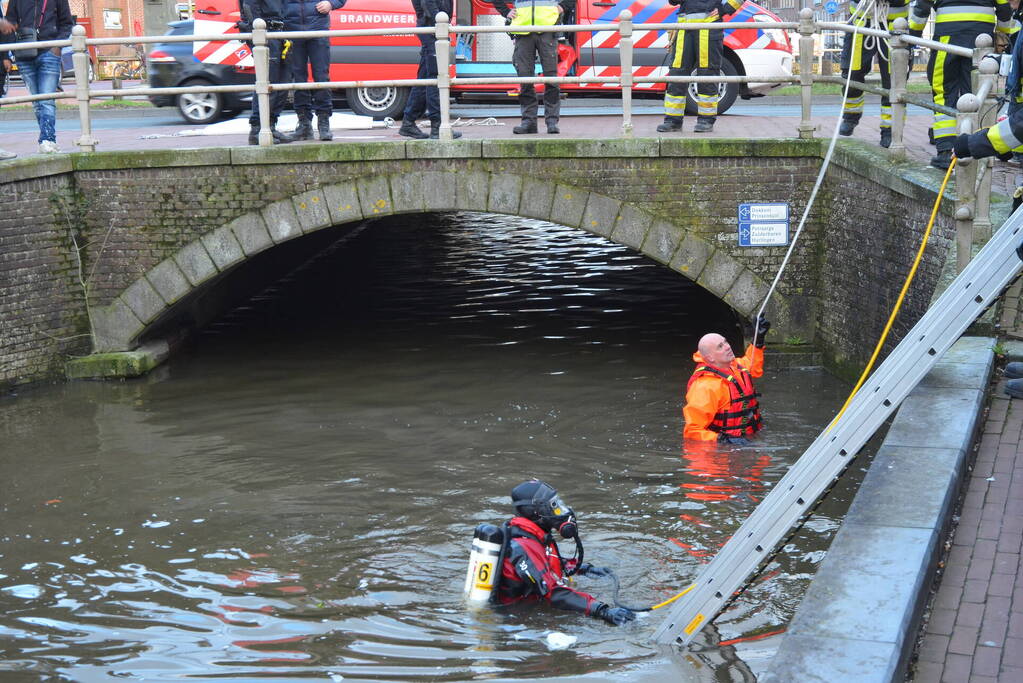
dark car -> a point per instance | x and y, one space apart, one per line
172 64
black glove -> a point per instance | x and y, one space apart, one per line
961 146
274 25
613 615
587 569
735 440
763 326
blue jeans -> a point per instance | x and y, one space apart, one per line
41 76
424 99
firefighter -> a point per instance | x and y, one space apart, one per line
425 99
858 54
721 402
528 46
270 11
532 569
699 50
957 22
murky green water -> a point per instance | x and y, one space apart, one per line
293 496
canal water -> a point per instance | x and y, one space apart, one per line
292 497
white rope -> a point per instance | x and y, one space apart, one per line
813 194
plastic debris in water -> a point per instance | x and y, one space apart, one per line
560 641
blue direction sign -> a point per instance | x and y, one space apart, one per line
831 6
764 225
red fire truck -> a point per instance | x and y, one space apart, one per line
761 51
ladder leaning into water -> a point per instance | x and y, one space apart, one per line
795 496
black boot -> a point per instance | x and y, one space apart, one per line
435 131
525 128
410 130
304 130
848 126
942 160
253 134
323 128
552 127
704 124
886 137
671 124
279 137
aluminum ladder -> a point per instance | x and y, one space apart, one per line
795 496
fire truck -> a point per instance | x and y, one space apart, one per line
762 51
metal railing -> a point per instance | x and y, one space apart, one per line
973 181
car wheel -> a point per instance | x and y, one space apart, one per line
380 102
200 107
727 92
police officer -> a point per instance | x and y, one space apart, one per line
271 12
699 50
311 15
425 99
533 569
721 402
858 54
529 46
957 22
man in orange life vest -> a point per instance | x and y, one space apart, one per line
532 569
721 403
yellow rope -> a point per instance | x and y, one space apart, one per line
902 295
671 600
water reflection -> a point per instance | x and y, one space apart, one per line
295 496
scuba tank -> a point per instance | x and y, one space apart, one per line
485 559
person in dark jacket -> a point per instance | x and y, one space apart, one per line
533 569
699 51
314 53
528 48
425 99
40 72
272 12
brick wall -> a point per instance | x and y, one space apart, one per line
135 210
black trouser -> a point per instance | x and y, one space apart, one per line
699 50
425 99
950 75
858 54
315 53
527 47
279 73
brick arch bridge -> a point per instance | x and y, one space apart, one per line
145 231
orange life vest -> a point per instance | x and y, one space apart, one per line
742 418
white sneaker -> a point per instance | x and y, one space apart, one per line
48 147
5 155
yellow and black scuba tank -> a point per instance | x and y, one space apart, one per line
489 543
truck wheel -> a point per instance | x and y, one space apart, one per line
200 107
727 92
380 102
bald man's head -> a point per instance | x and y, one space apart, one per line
715 350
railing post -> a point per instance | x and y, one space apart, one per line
86 142
898 56
988 81
443 33
806 31
966 182
261 55
625 59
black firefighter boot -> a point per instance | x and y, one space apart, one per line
886 137
942 160
435 131
323 128
304 130
410 130
671 124
279 137
704 124
527 127
253 133
848 125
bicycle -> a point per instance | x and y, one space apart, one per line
134 68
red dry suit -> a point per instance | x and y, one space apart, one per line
723 401
532 571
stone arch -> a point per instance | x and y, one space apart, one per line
118 325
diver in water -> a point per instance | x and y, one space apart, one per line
532 568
